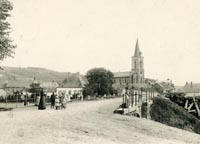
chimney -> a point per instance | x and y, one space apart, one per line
191 84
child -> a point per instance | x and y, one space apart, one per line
57 102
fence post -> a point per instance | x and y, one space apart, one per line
123 101
132 98
6 101
16 100
126 101
153 93
136 98
149 95
146 94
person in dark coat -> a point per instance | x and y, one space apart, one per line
52 98
42 104
25 99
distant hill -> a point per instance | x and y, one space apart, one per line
41 74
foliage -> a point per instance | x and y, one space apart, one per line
167 112
100 82
6 46
177 97
35 88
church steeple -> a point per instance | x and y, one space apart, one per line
137 49
137 70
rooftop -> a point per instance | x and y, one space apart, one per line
74 81
122 74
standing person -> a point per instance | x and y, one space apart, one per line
127 97
42 104
57 102
62 100
64 105
52 99
25 99
127 100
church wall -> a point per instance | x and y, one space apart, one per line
122 80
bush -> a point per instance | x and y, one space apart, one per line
167 112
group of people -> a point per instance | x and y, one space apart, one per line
58 102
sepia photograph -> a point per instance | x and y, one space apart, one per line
99 72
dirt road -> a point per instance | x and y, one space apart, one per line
86 122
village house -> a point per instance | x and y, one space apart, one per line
72 86
12 85
2 94
49 87
190 89
163 87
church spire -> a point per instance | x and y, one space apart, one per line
137 50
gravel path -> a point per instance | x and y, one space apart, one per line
86 122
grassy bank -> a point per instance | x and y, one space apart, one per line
167 112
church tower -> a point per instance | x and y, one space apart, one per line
137 66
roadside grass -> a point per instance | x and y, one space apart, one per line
165 111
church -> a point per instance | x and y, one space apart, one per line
135 77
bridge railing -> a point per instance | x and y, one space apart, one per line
136 97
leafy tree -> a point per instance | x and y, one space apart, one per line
35 88
100 82
6 46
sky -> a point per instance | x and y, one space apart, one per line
77 35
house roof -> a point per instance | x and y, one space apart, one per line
122 74
150 81
74 81
165 86
191 88
19 82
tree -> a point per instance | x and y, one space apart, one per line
35 88
6 46
100 82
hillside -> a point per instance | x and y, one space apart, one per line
41 74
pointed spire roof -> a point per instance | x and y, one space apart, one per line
137 50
